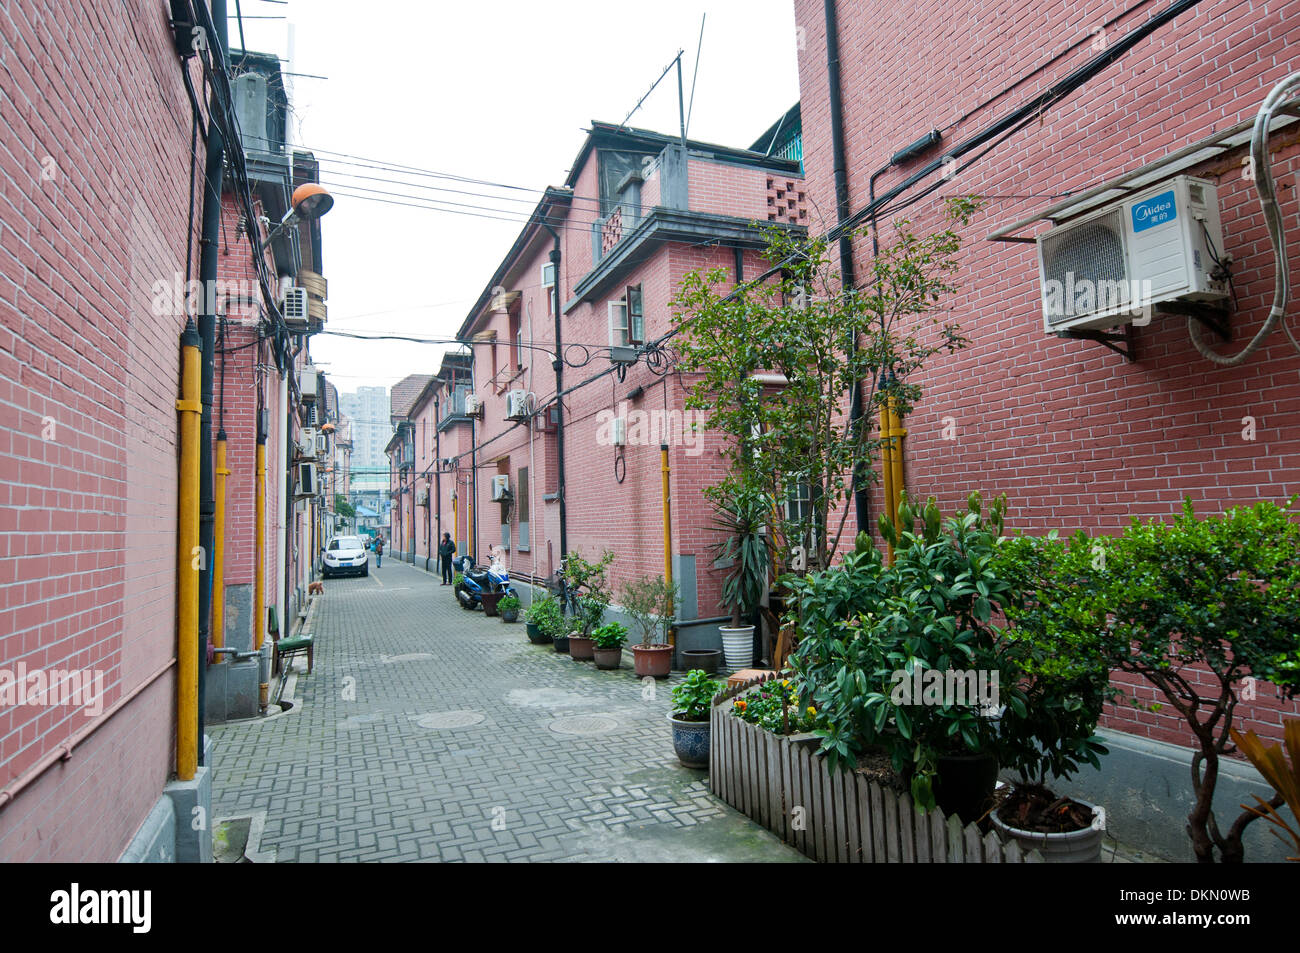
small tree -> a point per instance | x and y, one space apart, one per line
825 342
1221 594
588 588
342 507
652 603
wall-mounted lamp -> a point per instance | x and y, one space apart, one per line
310 201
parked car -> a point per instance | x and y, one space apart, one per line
344 555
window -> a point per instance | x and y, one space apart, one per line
548 281
516 341
635 315
521 507
618 334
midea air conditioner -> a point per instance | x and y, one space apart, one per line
294 309
517 405
501 487
1113 266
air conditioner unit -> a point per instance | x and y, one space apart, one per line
310 416
307 442
308 485
307 382
294 308
501 486
322 444
517 405
473 406
1111 267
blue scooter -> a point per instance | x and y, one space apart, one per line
476 581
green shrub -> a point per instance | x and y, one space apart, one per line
611 635
693 698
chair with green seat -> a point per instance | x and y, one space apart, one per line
289 647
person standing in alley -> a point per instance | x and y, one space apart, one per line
379 551
446 551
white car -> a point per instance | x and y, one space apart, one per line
346 554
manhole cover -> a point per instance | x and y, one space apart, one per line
409 657
583 725
449 719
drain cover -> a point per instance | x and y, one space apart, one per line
583 725
449 719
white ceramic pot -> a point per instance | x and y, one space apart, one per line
737 646
1074 847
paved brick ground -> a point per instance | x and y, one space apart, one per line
363 771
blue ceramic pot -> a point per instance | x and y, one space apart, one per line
690 741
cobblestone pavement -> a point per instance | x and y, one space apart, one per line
430 733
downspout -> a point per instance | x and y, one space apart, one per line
437 465
188 573
213 172
842 212
558 364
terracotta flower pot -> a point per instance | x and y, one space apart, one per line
580 648
607 658
653 660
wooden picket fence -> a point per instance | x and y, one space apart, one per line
833 816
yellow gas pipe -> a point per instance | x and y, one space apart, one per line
219 547
887 472
668 524
190 407
259 544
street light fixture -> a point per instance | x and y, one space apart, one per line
310 201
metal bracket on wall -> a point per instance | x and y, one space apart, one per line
1216 319
1110 339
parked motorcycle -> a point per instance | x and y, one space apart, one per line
477 580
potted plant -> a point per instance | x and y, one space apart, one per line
651 603
509 609
608 641
491 601
542 618
587 585
581 648
692 702
560 638
741 513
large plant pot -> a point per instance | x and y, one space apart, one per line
561 643
607 658
533 631
706 660
655 661
738 646
581 647
1070 847
965 785
511 616
537 636
690 741
490 600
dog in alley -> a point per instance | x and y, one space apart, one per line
316 588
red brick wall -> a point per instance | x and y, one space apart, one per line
95 141
1076 437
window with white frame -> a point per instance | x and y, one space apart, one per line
618 332
548 281
635 315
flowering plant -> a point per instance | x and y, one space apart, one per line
774 706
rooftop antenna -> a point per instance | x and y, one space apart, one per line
676 61
694 76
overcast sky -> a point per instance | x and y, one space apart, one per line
495 91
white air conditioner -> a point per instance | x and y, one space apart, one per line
308 484
1110 268
294 308
307 442
501 486
472 405
517 405
322 444
307 382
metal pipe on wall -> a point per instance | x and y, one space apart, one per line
188 553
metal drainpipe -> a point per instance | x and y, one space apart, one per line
188 579
558 365
437 470
213 171
842 212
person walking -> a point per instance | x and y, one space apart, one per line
379 551
446 551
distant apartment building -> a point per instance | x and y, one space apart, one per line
368 409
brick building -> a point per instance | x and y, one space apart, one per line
637 212
1077 435
99 234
